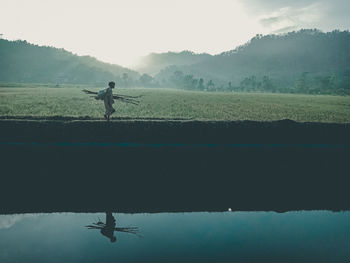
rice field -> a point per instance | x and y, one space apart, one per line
70 101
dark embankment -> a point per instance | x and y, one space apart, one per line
71 177
61 129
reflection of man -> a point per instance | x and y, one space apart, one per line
108 228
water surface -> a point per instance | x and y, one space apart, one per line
317 236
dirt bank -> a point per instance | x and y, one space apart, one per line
61 129
72 177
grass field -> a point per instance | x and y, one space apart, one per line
70 101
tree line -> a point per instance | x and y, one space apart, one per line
306 83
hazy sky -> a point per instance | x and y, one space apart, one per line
120 31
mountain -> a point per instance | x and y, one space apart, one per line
307 59
154 62
21 61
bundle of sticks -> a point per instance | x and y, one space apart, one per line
101 225
123 98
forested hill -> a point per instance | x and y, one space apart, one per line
24 62
307 61
154 62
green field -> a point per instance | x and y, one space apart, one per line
46 100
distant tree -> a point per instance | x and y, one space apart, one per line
343 83
230 87
327 83
201 84
250 84
210 85
177 79
190 82
267 84
125 80
301 83
146 80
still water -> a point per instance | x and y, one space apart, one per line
316 236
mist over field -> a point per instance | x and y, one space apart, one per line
306 61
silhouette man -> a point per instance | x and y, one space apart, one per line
107 229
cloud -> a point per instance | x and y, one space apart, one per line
282 15
292 18
262 6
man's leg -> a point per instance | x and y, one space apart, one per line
107 107
110 108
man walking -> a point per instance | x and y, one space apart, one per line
108 100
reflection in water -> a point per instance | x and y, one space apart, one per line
107 229
7 221
245 237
